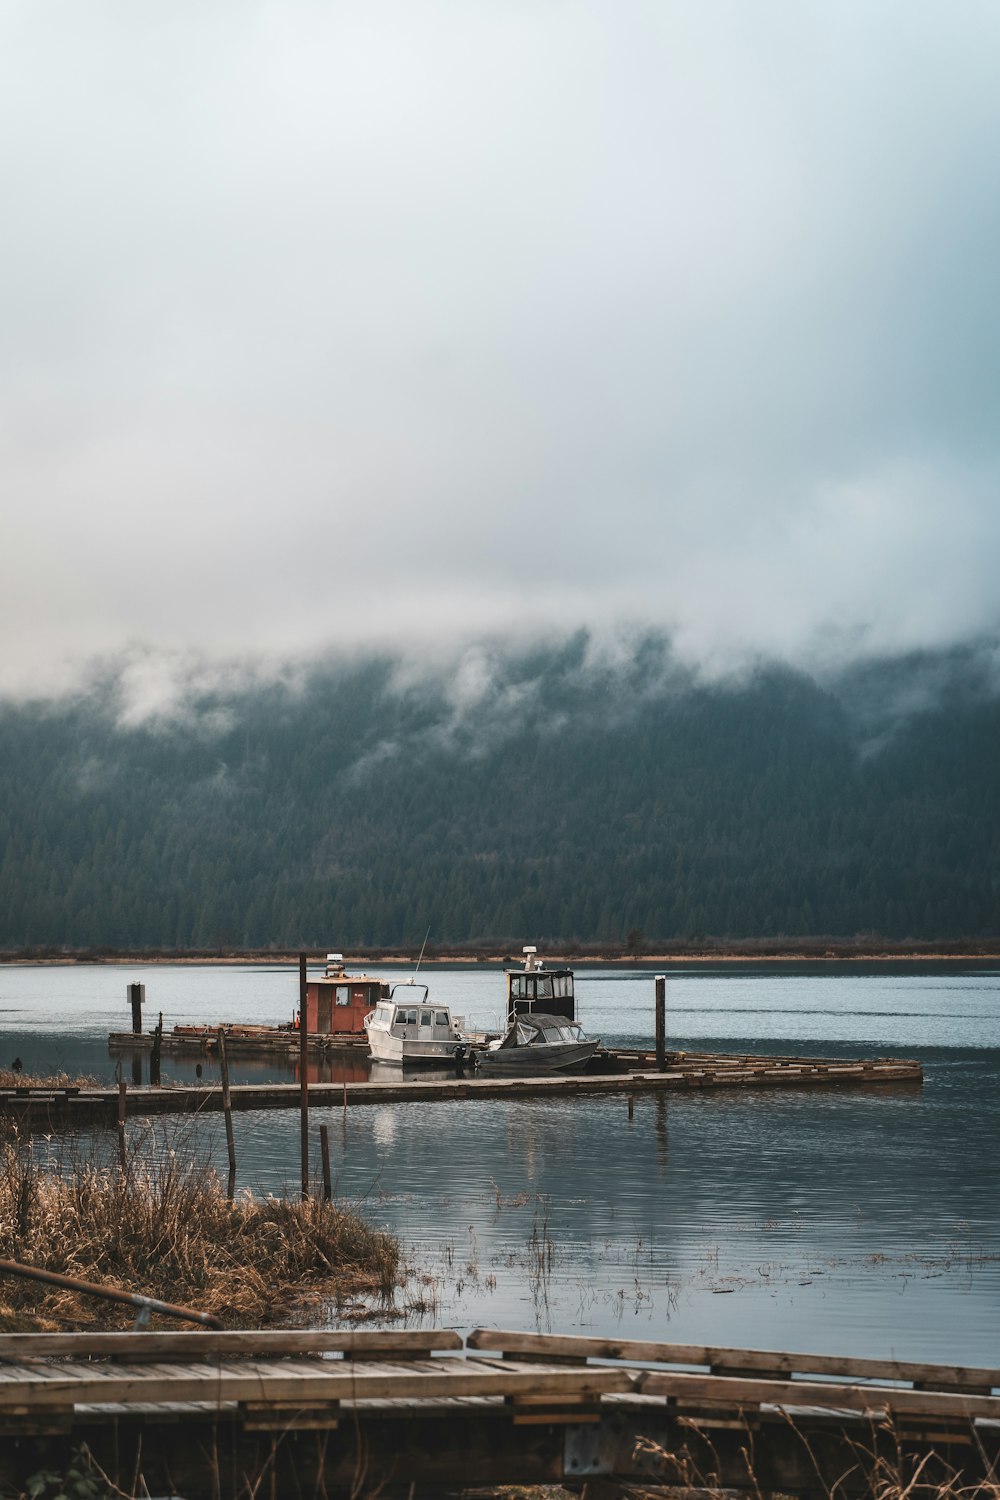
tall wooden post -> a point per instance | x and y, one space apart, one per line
227 1109
661 1022
154 1056
137 995
304 1073
324 1146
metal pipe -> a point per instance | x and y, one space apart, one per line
110 1293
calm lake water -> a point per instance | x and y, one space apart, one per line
854 1221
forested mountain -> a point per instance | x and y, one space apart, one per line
539 795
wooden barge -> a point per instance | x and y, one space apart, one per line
336 1005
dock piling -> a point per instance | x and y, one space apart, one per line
227 1107
661 1023
324 1146
154 1056
137 996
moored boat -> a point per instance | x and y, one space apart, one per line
535 1042
406 1027
550 987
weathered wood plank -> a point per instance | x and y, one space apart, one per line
768 1361
322 1381
197 1343
733 1391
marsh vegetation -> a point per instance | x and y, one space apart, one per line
166 1227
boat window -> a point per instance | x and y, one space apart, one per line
563 986
526 1035
517 986
406 1017
552 1034
544 990
425 1018
441 1018
343 994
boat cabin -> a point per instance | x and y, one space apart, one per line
339 1002
535 986
407 1028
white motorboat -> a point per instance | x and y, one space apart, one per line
539 1043
407 1028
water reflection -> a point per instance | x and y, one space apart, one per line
860 1221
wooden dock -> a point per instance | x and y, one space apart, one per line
412 1412
633 1074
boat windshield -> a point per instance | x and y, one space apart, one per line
562 1033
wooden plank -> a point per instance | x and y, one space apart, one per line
733 1391
763 1360
322 1381
263 1416
197 1343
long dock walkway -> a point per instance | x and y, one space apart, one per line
414 1412
636 1073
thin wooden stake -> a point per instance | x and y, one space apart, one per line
154 1056
227 1108
122 1155
324 1146
304 1074
631 1105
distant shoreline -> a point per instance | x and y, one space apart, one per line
754 953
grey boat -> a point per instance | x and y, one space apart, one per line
537 1043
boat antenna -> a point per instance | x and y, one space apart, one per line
420 960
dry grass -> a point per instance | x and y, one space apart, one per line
165 1227
881 1467
18 1079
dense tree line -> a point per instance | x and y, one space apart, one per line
563 802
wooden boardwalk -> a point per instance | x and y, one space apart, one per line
204 1413
635 1073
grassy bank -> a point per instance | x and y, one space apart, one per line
166 1228
865 948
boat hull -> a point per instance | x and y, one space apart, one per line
566 1057
386 1048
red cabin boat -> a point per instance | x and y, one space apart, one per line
338 1002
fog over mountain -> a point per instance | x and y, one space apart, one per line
530 469
553 793
405 325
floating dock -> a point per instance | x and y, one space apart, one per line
416 1413
632 1074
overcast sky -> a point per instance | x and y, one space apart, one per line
327 324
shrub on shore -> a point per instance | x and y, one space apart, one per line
166 1228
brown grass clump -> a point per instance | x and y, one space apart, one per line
882 1466
166 1228
11 1078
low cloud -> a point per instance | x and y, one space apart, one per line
418 326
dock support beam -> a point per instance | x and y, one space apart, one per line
661 1022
